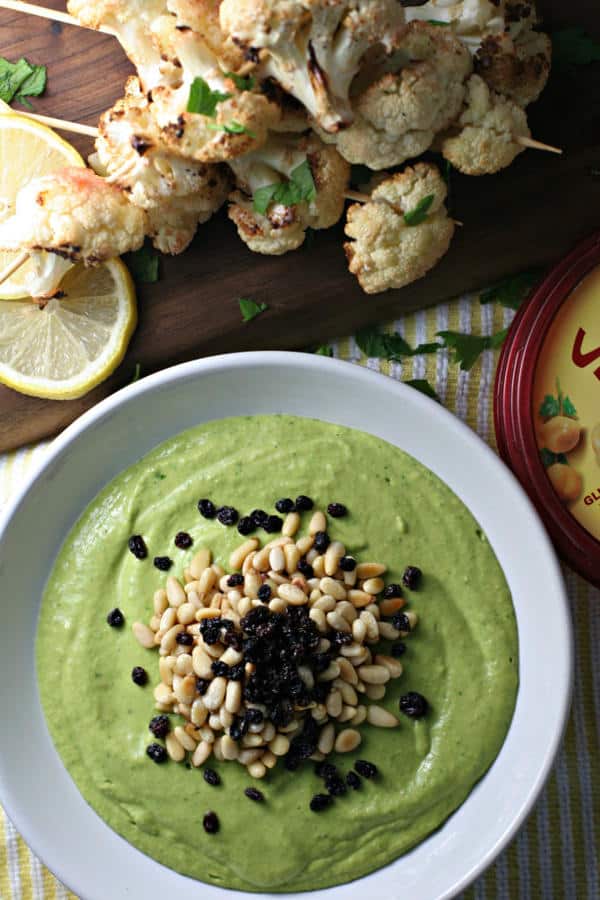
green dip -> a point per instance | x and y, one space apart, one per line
463 656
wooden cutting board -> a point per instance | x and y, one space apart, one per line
528 215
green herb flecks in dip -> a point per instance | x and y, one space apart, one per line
463 656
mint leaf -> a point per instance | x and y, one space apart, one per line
376 343
20 80
511 291
203 100
299 189
549 458
250 309
144 264
467 348
418 215
549 407
568 408
422 385
242 83
324 350
573 47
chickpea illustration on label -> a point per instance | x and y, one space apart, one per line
559 434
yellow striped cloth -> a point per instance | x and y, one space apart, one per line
556 853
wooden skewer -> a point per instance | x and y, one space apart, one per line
12 267
31 9
62 124
536 145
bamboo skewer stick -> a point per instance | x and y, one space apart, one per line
12 267
536 145
31 9
62 124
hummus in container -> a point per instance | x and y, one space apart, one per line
463 658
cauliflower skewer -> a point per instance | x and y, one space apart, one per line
401 232
287 186
313 48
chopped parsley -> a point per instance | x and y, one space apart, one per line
250 309
242 83
469 347
438 22
324 350
232 127
203 100
21 80
144 264
299 189
512 291
376 343
418 215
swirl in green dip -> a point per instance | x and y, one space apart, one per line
463 656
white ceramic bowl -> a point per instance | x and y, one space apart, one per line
36 790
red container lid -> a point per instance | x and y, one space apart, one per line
547 404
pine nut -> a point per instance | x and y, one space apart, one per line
333 554
347 611
375 691
183 664
165 671
319 713
218 570
351 650
391 605
332 671
292 557
277 605
393 665
252 583
292 594
244 606
412 618
229 748
187 576
201 753
233 696
326 739
232 657
143 635
373 608
226 717
217 752
358 598
207 734
214 650
374 674
387 631
269 759
291 524
236 560
186 690
261 560
311 556
278 542
334 704
174 748
207 580
359 630
317 523
360 714
175 592
350 578
377 715
349 695
168 619
200 561
304 544
326 603
316 756
253 740
257 769
338 622
154 623
332 587
247 757
214 721
160 601
187 742
371 625
369 570
347 714
318 565
268 733
216 693
248 563
347 740
199 712
347 670
318 617
201 662
373 586
186 613
279 745
277 559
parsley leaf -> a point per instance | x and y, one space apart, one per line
242 83
203 100
422 385
299 189
324 350
232 127
513 290
549 458
144 264
376 343
418 215
21 80
438 22
250 309
573 47
469 347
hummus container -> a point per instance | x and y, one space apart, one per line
62 829
547 404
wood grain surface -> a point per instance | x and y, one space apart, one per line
528 215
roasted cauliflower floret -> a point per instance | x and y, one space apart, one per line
69 216
237 122
177 194
312 174
398 116
313 48
516 68
385 251
483 140
202 16
471 20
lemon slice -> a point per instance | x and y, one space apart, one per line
27 150
65 348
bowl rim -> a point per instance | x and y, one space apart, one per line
273 359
